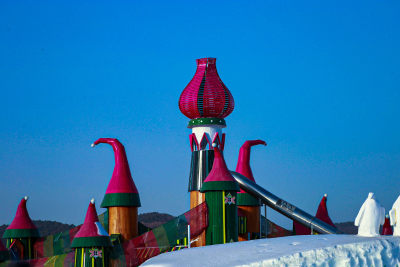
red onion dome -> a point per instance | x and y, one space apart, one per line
206 96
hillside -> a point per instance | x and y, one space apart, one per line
151 220
154 219
45 227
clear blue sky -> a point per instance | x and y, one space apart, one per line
318 80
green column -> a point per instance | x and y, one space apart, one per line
222 217
91 257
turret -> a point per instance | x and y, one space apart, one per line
21 233
91 242
220 190
206 101
248 206
122 197
322 214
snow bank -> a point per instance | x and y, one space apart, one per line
315 250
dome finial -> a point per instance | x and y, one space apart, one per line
206 96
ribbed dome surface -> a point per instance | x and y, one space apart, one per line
206 96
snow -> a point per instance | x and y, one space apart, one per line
311 250
394 214
370 217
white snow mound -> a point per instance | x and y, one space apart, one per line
310 250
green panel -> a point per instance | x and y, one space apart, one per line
58 244
59 261
48 246
214 231
143 228
245 199
121 200
231 220
175 229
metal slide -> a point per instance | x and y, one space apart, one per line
283 207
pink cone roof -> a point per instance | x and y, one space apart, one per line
243 164
89 228
322 212
22 219
219 178
121 180
219 171
206 96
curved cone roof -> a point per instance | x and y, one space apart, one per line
322 212
243 167
91 233
121 190
386 228
219 177
206 96
22 225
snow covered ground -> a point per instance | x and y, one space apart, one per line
315 250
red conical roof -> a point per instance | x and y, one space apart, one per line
121 190
91 232
322 212
219 177
387 228
206 96
22 225
22 219
243 164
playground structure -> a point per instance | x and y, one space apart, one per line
224 205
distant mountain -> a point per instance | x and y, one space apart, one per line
347 228
154 219
151 220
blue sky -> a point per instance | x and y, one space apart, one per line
319 81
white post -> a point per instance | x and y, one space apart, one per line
188 235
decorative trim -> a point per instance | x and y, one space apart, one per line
206 121
93 241
121 200
245 199
220 186
20 233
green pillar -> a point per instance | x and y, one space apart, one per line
222 217
92 257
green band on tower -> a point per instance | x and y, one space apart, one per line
121 200
206 121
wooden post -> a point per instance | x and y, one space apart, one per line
252 214
124 221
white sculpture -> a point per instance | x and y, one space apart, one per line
370 217
394 214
